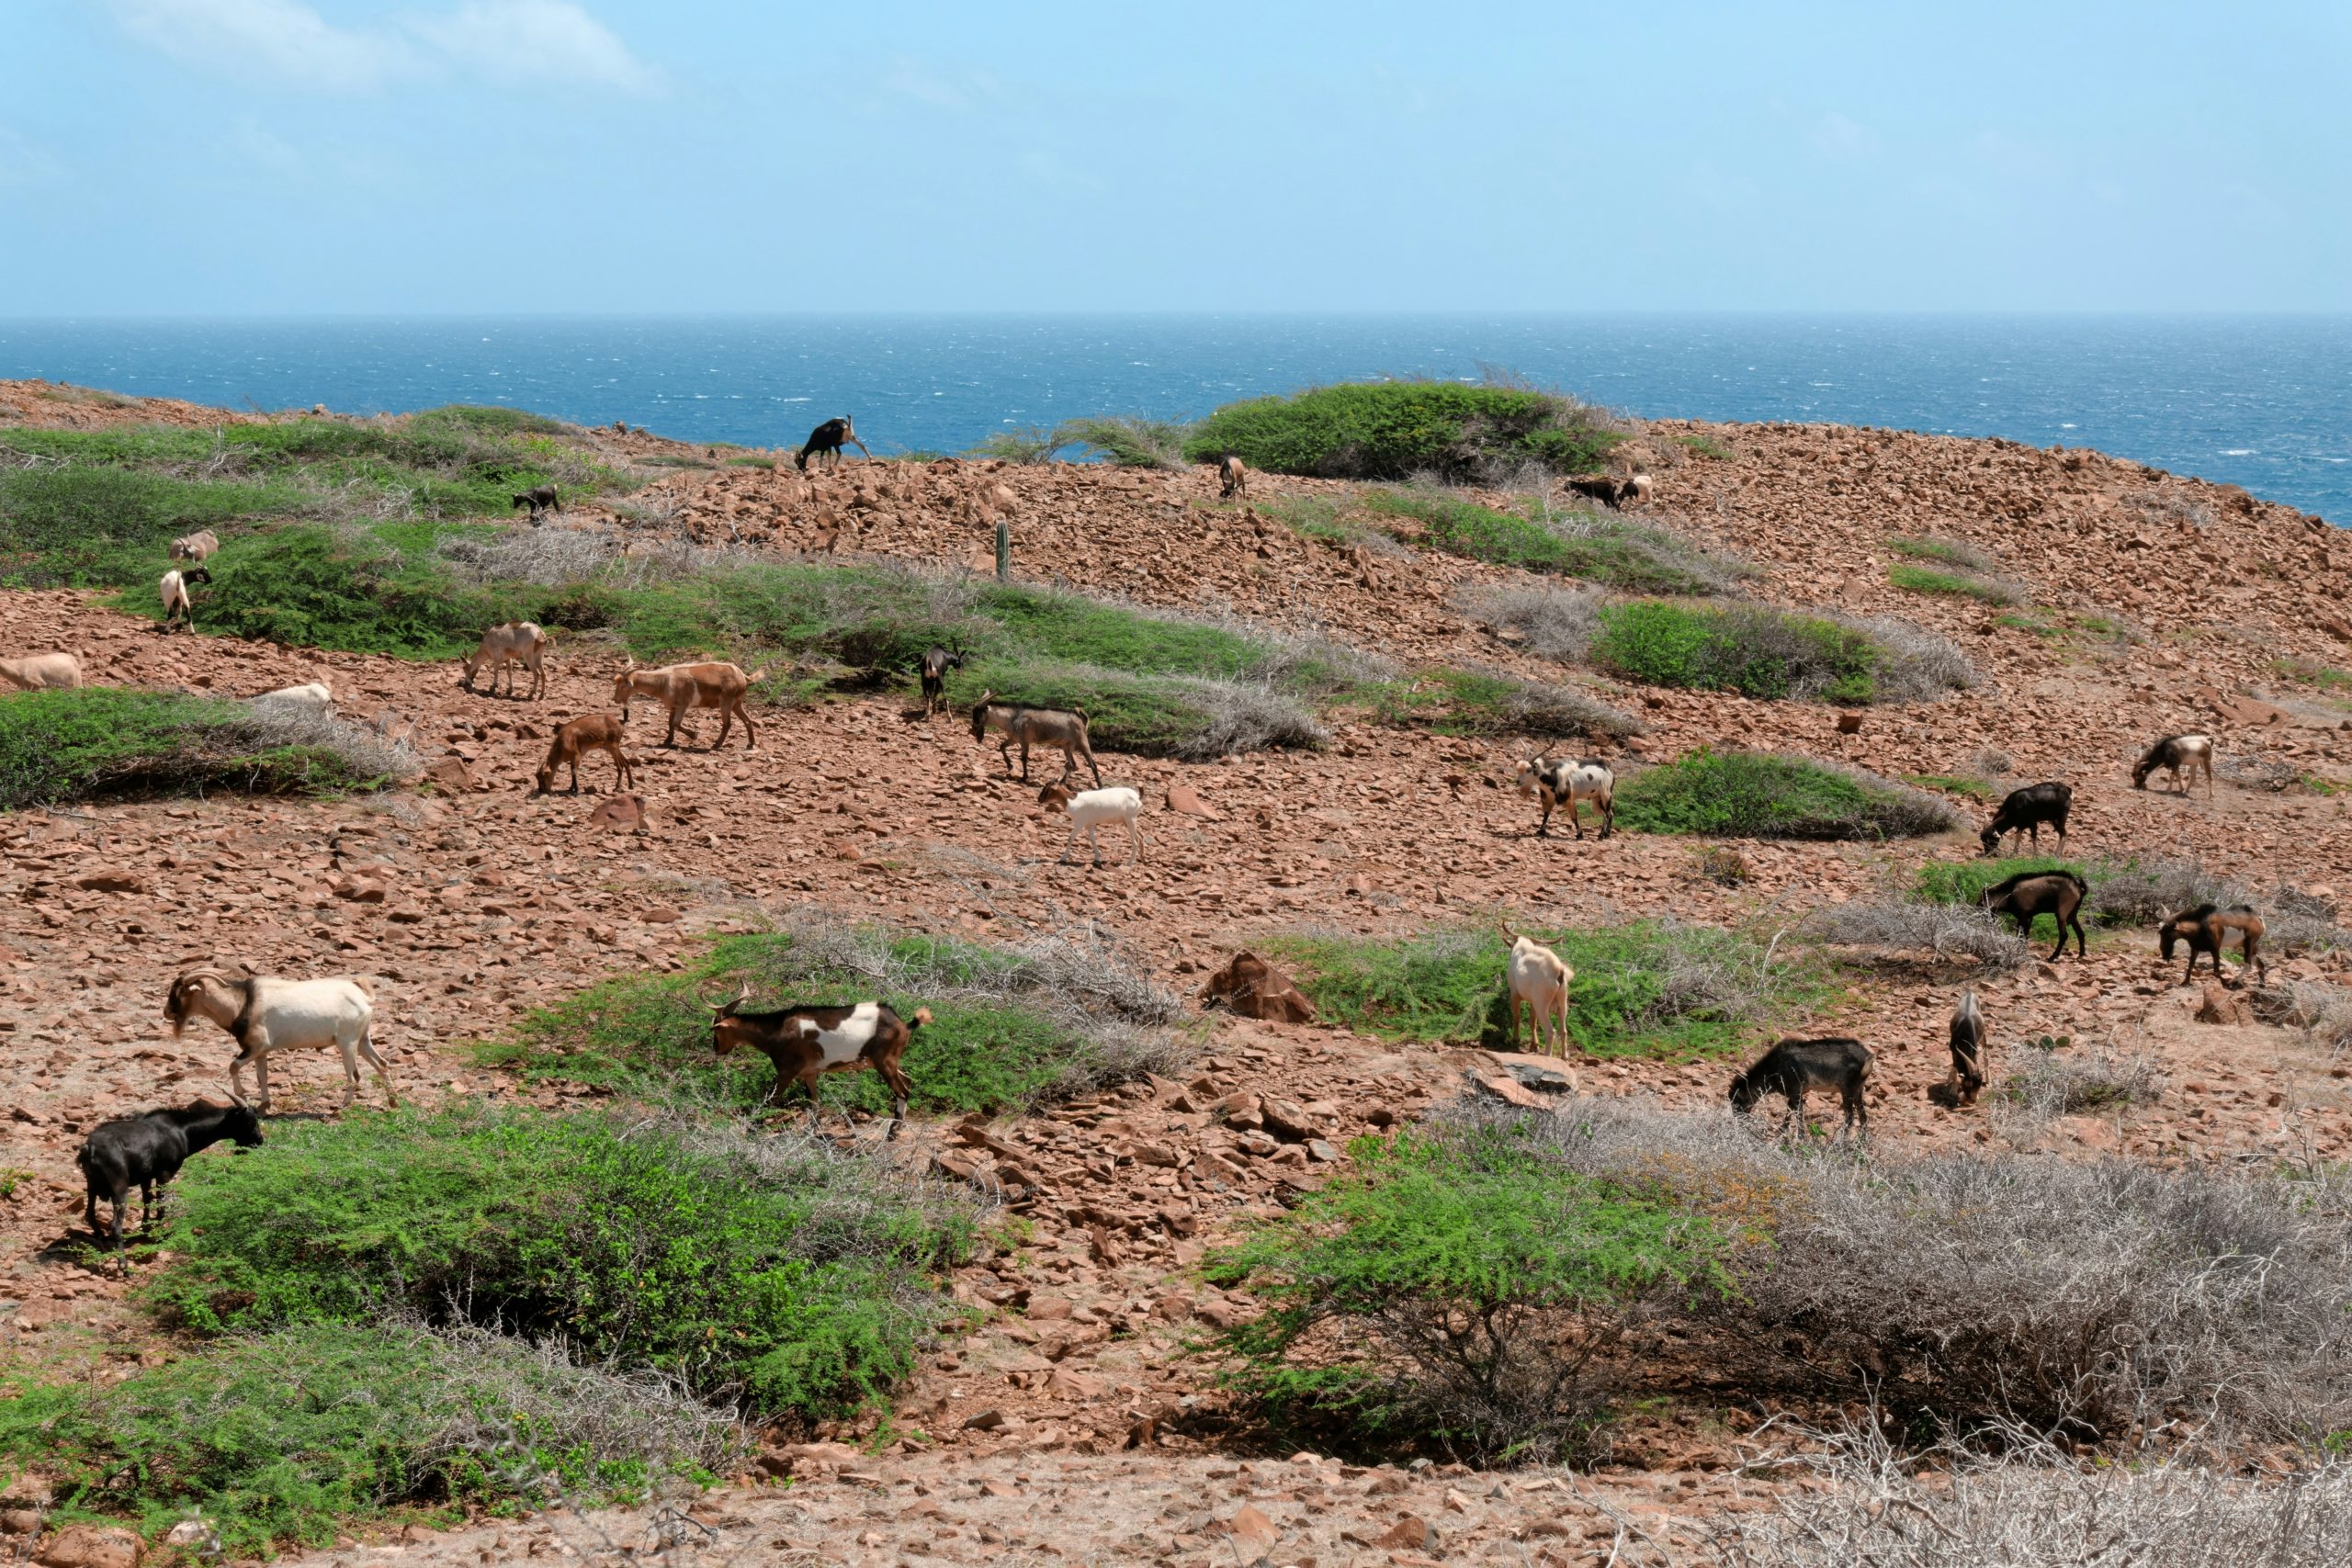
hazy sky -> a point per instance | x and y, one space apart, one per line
336 157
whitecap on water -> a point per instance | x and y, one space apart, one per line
2239 451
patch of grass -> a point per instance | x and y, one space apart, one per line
1953 783
1010 1029
1651 988
1754 794
1706 446
769 1272
1475 701
1928 580
109 742
1369 1282
284 1439
1773 654
1948 552
1131 441
1391 430
1464 528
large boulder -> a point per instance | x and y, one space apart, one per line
1252 988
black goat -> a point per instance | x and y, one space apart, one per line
147 1151
540 498
2024 810
2205 927
936 663
827 440
1792 1067
2058 894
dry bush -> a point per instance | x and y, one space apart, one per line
1551 622
2250 769
1916 665
2165 508
2034 1507
366 752
558 557
2144 890
1992 762
2322 1012
1244 716
2053 1082
1545 709
2296 922
1993 1286
1948 931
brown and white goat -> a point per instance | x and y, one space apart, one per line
504 647
827 441
1232 479
180 610
681 688
262 1014
2182 755
195 546
43 673
2205 927
805 1043
575 738
1062 728
1538 980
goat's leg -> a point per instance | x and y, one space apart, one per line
147 1206
1068 844
260 1077
383 1068
1025 760
1004 750
751 736
1094 844
901 1091
1135 833
1544 829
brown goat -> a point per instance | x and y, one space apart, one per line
1232 479
682 687
1967 1079
805 1043
577 738
2205 927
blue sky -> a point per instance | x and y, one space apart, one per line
440 156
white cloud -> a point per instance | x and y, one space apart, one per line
546 42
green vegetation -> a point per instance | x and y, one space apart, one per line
2079 633
768 1272
1952 584
1705 446
1964 882
1948 552
1650 988
1129 442
1475 701
1370 1281
1479 532
1753 795
1026 445
1006 1032
1953 783
284 1437
1392 430
1747 649
110 742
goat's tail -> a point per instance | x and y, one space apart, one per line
922 1016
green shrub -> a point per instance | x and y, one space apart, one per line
1747 649
1926 580
1651 988
1705 446
768 1271
1130 442
284 1439
1026 445
1392 430
2132 890
1751 794
1006 1032
1953 783
1477 533
109 742
1476 701
1455 1291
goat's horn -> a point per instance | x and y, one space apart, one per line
237 1098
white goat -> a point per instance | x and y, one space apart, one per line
43 673
1539 981
312 697
1090 809
177 608
504 647
263 1015
195 546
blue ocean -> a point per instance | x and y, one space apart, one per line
2261 401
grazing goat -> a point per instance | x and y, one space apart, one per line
1634 491
195 546
1091 809
805 1043
262 1014
1232 479
936 663
2183 754
577 738
681 688
504 647
178 609
1555 782
1537 978
1967 1050
310 697
1794 1067
1601 488
147 1151
827 440
2205 927
1064 728
539 499
2024 810
2058 894
43 673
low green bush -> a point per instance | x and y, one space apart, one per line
1392 430
765 1271
1456 1292
1650 988
1595 546
1748 649
110 742
1953 783
284 1439
1002 1037
1476 701
1950 584
1751 794
1464 528
1130 442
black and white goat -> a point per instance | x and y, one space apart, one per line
1557 780
147 1151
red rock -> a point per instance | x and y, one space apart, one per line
1183 798
91 1546
115 881
451 773
1250 988
1408 1534
1252 1532
618 812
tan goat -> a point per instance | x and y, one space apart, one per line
43 673
1232 479
1539 982
575 739
504 647
195 546
683 687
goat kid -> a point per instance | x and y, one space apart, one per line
2024 810
2029 894
1555 782
1537 978
43 673
503 647
575 738
195 546
146 1151
2182 755
178 609
681 688
2205 927
1795 1067
539 499
805 1043
262 1014
1091 810
312 696
1027 726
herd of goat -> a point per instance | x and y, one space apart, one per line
265 1014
